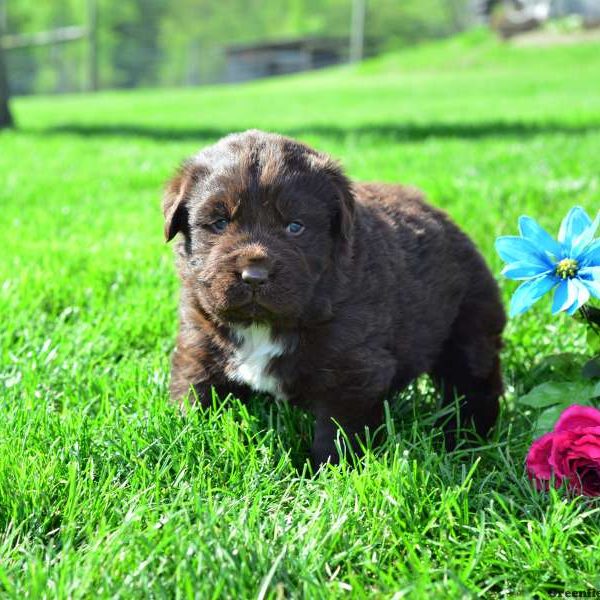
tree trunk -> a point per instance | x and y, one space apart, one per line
5 116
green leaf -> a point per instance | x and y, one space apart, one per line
593 340
591 369
557 367
547 419
555 392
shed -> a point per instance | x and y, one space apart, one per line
266 59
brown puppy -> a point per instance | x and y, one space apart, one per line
322 292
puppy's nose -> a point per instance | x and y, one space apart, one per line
255 275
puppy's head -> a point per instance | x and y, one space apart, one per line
263 220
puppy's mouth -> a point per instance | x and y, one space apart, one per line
254 308
250 311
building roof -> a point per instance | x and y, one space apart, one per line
315 43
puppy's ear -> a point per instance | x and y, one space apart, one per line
176 197
342 226
343 222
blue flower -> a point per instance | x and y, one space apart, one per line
571 264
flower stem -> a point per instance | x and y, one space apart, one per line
592 316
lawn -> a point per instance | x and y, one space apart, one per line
106 490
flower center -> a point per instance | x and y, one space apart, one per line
567 268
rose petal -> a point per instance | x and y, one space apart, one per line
586 446
593 431
560 455
537 463
585 478
590 481
577 416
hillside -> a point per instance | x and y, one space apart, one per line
107 491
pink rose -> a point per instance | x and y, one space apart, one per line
571 452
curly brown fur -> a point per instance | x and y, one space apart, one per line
377 289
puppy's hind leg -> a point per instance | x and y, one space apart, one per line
468 367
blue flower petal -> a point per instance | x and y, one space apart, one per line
528 293
514 249
582 296
524 270
593 286
589 273
536 234
571 310
573 225
591 254
581 242
564 296
590 278
570 295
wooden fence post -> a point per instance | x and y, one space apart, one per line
357 33
6 119
92 44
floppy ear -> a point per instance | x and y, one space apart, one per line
343 223
174 205
175 200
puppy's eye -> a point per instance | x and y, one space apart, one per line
294 228
220 225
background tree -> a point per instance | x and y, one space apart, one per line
183 42
5 115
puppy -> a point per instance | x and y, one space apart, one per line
329 294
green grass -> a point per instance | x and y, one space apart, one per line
107 491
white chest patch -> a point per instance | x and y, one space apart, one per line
250 361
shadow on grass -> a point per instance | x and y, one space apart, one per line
401 132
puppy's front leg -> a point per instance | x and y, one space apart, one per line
353 424
201 393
